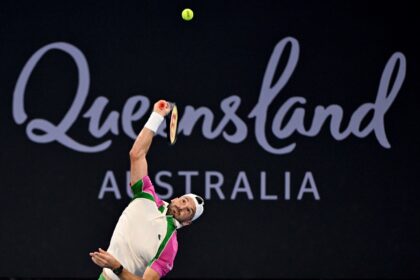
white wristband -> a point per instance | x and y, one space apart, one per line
154 122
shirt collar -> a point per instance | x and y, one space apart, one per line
174 221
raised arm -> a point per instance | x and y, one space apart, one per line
138 162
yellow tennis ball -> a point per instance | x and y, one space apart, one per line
187 14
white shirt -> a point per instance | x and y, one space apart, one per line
144 235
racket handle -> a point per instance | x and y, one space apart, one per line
171 105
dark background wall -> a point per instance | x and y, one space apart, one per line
338 208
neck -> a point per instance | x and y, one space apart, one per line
169 212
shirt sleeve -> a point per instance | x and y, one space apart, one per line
163 262
145 189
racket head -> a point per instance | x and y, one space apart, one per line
172 124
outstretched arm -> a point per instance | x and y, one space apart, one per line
138 162
106 260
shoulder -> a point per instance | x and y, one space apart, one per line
144 188
144 184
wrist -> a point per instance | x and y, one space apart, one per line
118 269
154 121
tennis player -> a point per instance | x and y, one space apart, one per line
144 243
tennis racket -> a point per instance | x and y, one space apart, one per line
172 123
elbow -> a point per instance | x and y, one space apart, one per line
136 154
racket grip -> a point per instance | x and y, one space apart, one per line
171 105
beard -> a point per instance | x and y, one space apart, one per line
175 212
171 210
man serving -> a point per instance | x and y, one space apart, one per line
144 242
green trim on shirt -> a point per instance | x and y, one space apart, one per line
137 187
144 195
169 231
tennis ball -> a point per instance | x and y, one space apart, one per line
187 14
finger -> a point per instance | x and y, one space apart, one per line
103 255
94 253
107 258
97 262
100 262
103 252
100 258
